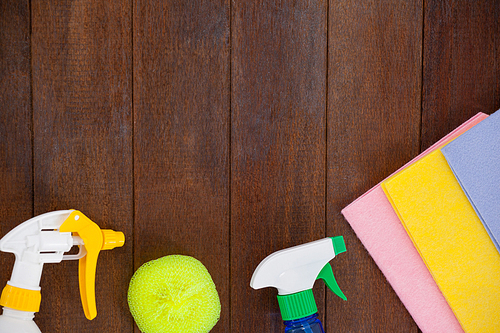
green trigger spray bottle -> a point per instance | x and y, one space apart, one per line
293 272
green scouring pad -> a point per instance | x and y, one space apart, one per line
174 294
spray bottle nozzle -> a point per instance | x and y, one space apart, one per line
293 272
45 239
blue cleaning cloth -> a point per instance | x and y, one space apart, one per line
474 158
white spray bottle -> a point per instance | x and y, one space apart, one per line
293 272
45 239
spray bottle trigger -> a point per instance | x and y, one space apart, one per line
94 240
91 234
326 275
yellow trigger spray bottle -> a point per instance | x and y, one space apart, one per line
45 239
293 272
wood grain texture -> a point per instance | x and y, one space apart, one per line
83 148
374 88
278 145
461 64
181 138
227 130
16 193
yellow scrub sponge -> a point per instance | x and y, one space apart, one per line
173 294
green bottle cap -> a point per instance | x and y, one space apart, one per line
298 305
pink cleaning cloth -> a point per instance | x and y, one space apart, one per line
378 227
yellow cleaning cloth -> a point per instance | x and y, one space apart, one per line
451 240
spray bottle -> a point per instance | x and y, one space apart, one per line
45 239
293 272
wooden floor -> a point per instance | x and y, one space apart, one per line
227 130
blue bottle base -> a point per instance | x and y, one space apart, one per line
310 324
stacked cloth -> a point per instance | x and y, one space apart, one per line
433 228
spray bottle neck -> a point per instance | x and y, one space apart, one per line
23 315
17 321
310 324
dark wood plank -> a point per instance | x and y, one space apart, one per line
374 90
461 64
181 102
83 148
16 190
278 145
83 124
